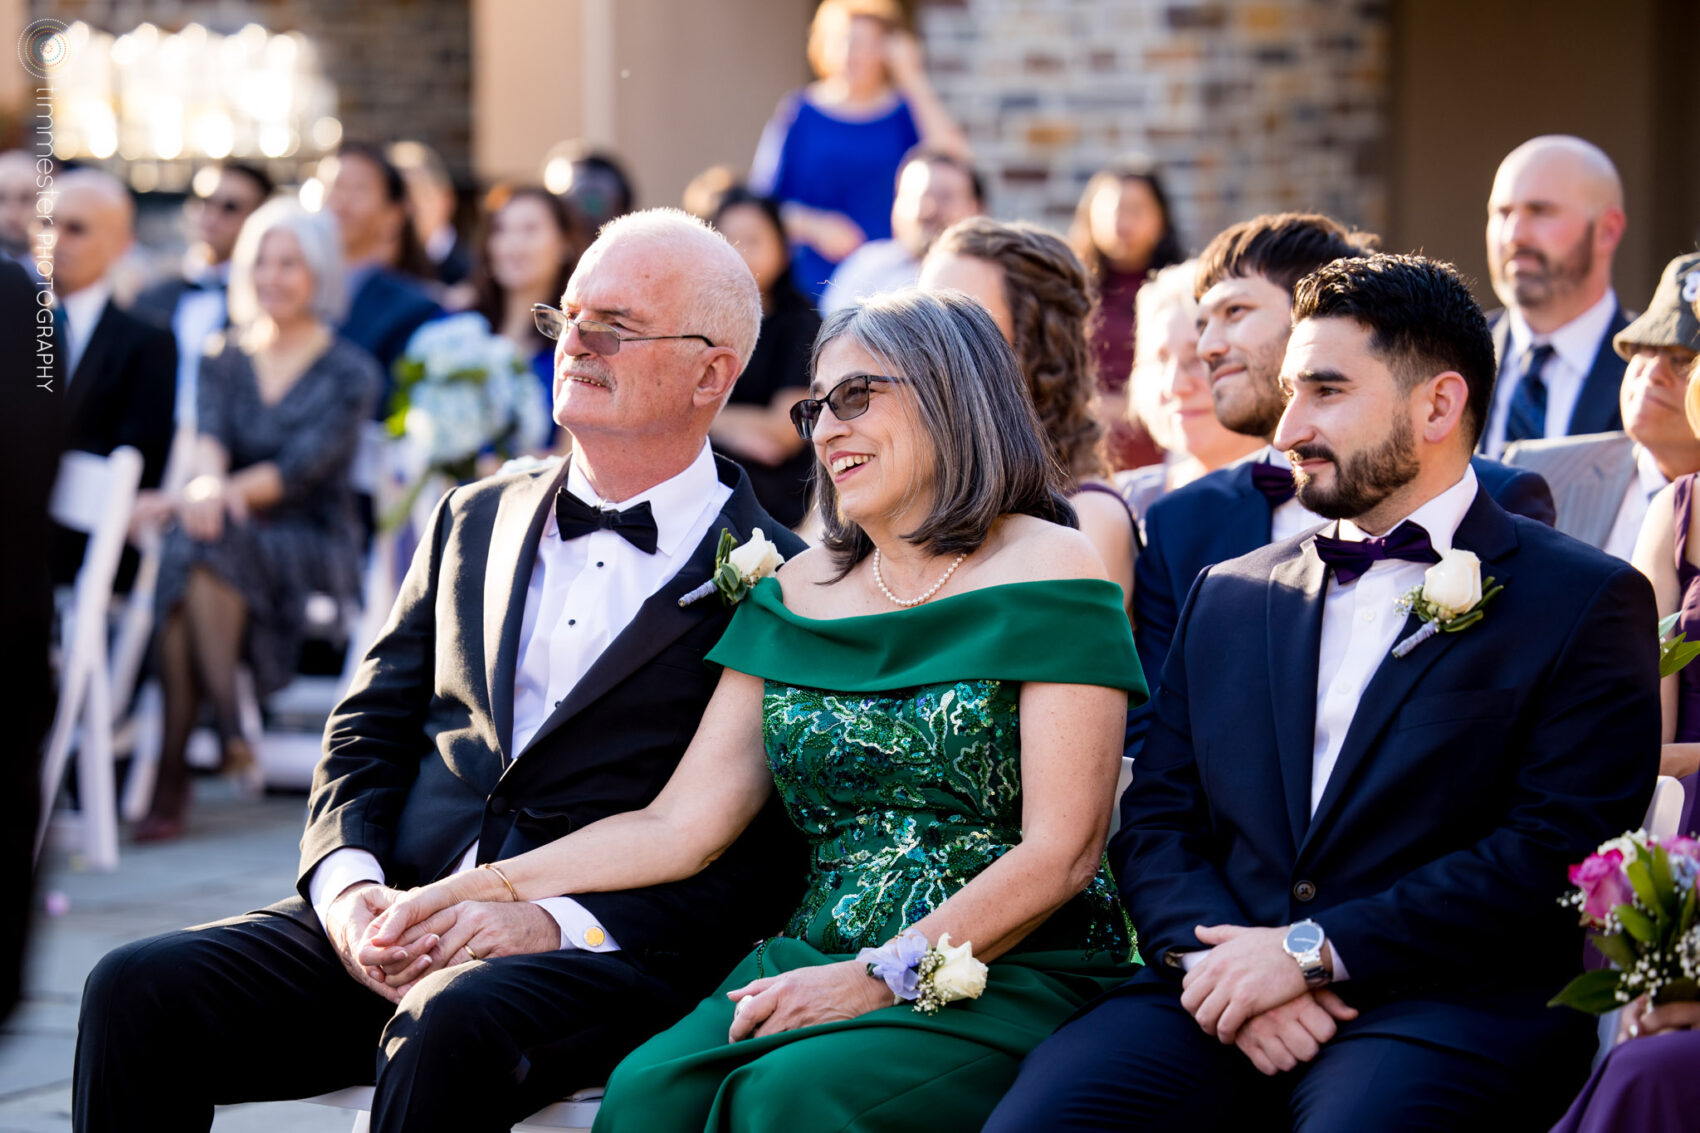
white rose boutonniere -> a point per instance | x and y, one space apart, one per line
1451 598
738 567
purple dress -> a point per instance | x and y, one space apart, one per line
1649 1085
1687 622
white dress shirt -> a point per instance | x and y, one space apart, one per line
582 593
1626 528
1291 517
1575 345
82 314
200 314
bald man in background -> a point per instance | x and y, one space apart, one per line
17 207
1555 218
119 373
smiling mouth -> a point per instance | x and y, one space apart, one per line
589 380
844 464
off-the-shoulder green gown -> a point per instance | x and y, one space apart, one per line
894 741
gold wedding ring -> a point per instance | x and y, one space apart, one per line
469 951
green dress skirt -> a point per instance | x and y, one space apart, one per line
894 741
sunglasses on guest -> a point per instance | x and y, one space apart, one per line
598 338
848 400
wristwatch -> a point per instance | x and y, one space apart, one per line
1303 942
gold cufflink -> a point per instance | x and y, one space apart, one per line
594 936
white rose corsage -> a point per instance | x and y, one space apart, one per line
929 976
738 567
1450 599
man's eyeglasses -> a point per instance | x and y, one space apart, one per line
848 400
598 338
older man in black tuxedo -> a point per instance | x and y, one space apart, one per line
536 674
1350 840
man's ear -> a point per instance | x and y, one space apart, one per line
1447 395
719 370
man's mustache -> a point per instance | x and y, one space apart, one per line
1311 452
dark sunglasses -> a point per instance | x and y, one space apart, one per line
848 400
598 338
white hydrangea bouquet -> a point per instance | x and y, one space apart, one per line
460 390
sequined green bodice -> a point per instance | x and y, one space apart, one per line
904 798
894 741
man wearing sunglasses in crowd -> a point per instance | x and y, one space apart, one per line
537 673
191 304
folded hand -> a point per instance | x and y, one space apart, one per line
1284 1036
466 931
1245 974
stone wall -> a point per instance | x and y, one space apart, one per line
1247 107
401 68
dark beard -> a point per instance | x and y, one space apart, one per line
1364 480
1558 278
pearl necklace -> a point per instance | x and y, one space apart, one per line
879 580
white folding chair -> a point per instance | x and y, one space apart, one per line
94 495
575 1115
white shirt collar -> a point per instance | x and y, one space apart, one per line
440 243
83 307
1268 454
675 502
1577 341
1440 516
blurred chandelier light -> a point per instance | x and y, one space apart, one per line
168 101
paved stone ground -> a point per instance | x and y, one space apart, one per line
239 855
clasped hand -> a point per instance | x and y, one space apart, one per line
389 940
1248 991
803 997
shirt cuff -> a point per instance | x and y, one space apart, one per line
1188 959
337 871
578 928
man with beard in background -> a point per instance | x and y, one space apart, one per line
1555 218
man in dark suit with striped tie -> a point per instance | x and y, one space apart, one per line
1555 217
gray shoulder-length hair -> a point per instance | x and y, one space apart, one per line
961 381
317 238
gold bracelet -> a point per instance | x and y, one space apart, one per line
513 894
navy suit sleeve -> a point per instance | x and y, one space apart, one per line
1526 493
151 388
1590 760
1162 855
1154 609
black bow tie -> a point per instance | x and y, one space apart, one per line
636 525
1275 482
1350 558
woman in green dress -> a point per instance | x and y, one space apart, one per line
938 695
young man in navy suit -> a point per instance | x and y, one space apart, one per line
1245 291
1344 864
536 674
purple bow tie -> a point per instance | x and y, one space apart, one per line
1350 558
1275 482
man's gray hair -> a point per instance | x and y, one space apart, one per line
725 302
320 248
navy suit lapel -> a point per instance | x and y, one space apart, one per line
518 528
1597 409
1249 522
1296 589
660 621
1489 532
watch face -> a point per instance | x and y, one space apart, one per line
1304 937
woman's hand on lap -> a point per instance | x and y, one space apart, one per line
804 997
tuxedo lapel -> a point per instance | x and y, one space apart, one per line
660 621
95 362
1296 589
1485 530
520 518
1594 496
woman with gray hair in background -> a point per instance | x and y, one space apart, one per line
952 769
266 517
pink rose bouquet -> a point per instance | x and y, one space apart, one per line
1637 894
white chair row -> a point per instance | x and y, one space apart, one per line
576 1114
